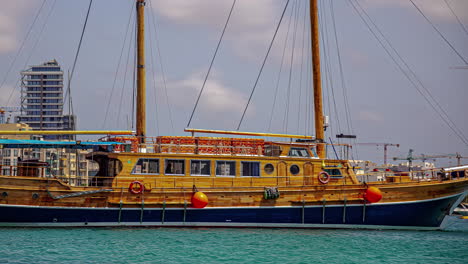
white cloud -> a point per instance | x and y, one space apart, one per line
250 29
216 96
372 116
12 15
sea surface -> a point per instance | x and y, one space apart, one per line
226 245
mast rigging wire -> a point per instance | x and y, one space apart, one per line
460 136
458 19
34 47
440 33
263 64
132 66
162 68
70 107
211 64
442 113
21 48
118 66
280 71
291 66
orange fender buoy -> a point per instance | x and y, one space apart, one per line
373 195
199 200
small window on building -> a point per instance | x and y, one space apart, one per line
334 173
225 168
146 166
269 168
298 152
200 167
175 167
250 169
294 169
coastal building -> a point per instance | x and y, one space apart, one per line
42 100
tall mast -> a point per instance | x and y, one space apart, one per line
317 82
141 74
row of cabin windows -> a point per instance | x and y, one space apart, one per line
197 167
223 168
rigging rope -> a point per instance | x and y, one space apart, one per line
118 65
280 71
450 122
291 65
68 93
455 130
21 48
162 69
458 19
130 46
304 22
33 47
440 33
263 65
343 83
211 64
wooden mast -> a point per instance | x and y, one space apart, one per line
141 75
317 82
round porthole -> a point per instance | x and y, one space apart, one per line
269 168
294 169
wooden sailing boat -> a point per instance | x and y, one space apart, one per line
232 182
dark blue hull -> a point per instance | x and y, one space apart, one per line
427 214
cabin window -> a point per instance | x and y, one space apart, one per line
200 167
176 167
269 168
334 173
272 150
146 166
294 169
250 169
298 152
225 168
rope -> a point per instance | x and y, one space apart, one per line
452 127
211 64
440 34
458 19
263 64
34 47
162 70
280 71
291 65
118 66
70 107
126 68
302 67
19 50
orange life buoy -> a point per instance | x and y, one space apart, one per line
134 189
323 177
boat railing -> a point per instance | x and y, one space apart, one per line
434 174
221 146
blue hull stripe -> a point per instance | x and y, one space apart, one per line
424 214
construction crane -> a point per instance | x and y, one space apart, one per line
424 157
385 145
7 109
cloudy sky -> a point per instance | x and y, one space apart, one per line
382 106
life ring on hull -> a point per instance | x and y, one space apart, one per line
323 177
136 187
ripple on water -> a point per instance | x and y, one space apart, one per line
204 245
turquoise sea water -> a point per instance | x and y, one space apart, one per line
225 245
